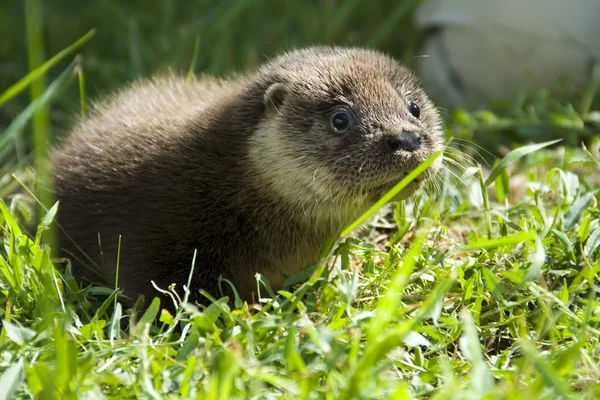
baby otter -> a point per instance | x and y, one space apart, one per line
255 172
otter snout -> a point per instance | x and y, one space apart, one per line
406 140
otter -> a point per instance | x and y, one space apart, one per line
253 173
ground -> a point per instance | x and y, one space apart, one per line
482 286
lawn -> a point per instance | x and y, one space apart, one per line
483 286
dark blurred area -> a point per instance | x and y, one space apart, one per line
141 37
138 38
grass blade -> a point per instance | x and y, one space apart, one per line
392 193
481 378
42 69
503 241
577 209
148 317
514 156
192 69
10 380
82 92
53 90
388 306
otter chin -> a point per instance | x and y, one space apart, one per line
251 174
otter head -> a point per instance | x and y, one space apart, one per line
341 127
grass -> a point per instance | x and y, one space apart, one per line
434 308
486 288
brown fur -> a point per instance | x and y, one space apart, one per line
247 171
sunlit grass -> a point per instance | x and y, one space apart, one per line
483 288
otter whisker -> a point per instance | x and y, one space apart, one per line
340 159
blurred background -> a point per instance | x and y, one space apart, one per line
504 72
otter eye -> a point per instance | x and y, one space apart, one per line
414 110
341 121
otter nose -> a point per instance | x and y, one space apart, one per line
409 141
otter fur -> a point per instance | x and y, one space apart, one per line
254 173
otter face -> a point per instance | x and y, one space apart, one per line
344 125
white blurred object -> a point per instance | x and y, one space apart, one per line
478 50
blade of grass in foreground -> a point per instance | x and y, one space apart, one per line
388 305
53 90
514 156
504 241
469 343
327 250
34 23
192 69
387 332
39 71
11 379
392 193
82 95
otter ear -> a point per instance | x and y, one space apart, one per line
275 96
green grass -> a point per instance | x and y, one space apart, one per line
443 311
484 288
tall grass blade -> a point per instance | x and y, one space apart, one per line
514 156
392 193
42 69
